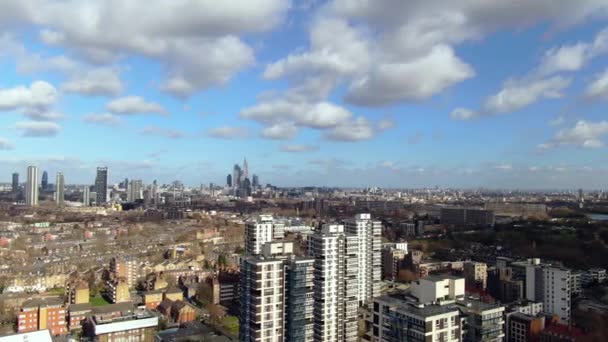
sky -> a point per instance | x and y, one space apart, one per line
355 93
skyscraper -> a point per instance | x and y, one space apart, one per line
101 185
45 181
369 233
335 284
155 195
15 182
245 169
236 176
134 190
276 296
257 233
255 181
31 187
86 195
59 188
229 180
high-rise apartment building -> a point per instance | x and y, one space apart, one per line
258 232
551 286
86 195
101 185
476 274
135 190
31 187
393 255
336 278
272 284
369 254
15 187
59 189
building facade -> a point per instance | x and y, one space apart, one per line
59 189
101 185
258 232
31 187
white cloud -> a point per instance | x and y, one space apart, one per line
107 119
228 132
197 42
414 80
299 148
584 134
573 57
317 115
134 105
516 95
100 81
43 115
40 95
355 130
280 131
162 132
598 89
5 144
37 128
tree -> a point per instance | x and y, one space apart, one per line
204 292
216 312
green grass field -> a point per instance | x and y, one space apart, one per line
98 301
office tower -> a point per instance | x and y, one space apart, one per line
245 169
45 181
155 194
59 188
31 187
101 185
15 182
476 274
369 233
229 180
258 232
86 195
236 176
263 300
125 184
551 286
255 181
134 191
335 284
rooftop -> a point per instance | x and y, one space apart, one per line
419 310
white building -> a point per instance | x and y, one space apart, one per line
551 286
135 191
436 288
258 232
86 196
59 188
369 234
399 320
276 296
31 186
335 284
38 336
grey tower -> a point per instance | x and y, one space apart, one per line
59 189
101 185
15 182
31 187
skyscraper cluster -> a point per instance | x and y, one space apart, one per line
240 182
314 298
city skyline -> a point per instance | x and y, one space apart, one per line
462 95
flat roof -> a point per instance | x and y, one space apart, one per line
38 336
417 309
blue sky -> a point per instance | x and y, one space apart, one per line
341 92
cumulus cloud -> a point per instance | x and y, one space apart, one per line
37 128
299 148
516 95
198 44
40 95
228 132
162 132
355 130
574 56
106 119
5 144
598 89
99 81
313 115
584 134
134 105
280 131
